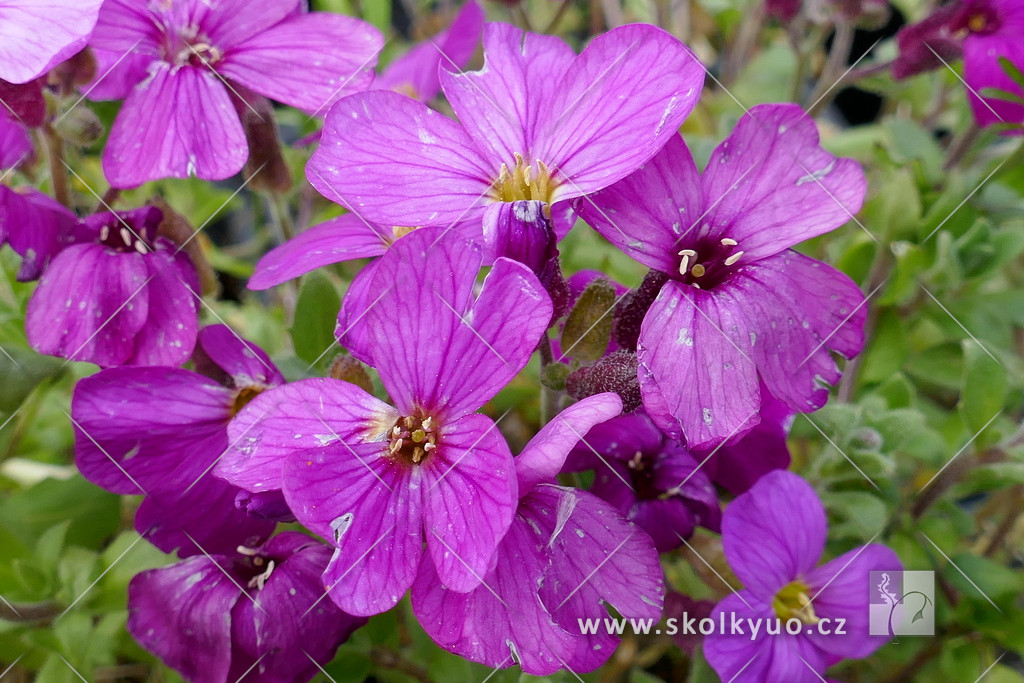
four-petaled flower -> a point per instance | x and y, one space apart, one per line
120 294
379 480
774 536
159 431
181 61
739 305
537 124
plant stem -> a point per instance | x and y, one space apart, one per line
960 146
58 171
390 659
563 9
832 73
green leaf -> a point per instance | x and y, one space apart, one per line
21 371
991 578
95 514
860 514
888 349
316 314
1011 69
984 386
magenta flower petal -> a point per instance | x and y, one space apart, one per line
200 133
503 621
743 659
132 451
470 497
297 627
176 612
359 299
799 310
35 36
737 466
244 362
117 74
371 507
169 335
277 62
15 144
596 557
619 439
78 311
339 239
125 26
769 185
386 155
840 588
132 427
543 457
196 514
982 69
506 103
599 127
217 618
696 376
485 342
416 72
302 415
650 231
37 227
774 533
228 23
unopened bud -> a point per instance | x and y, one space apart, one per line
616 372
348 369
80 126
589 325
631 309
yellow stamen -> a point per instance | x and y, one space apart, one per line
531 182
792 602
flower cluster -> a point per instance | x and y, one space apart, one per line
671 399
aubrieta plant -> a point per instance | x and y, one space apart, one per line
453 341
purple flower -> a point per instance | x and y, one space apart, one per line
255 613
651 479
379 480
36 36
537 123
416 72
36 226
994 29
739 306
984 31
774 536
565 554
184 58
120 295
159 431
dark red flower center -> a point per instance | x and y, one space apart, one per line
709 262
413 438
252 567
124 237
641 475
